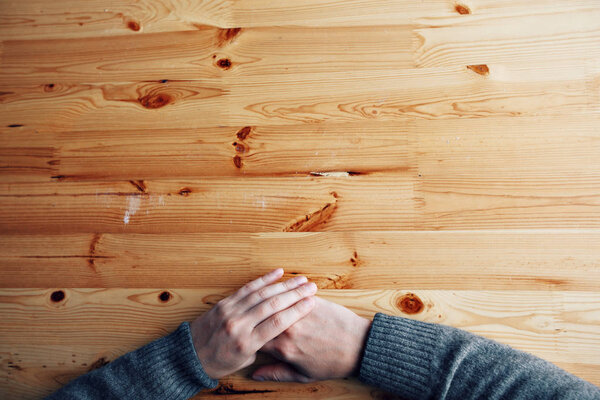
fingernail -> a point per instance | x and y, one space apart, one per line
312 287
278 271
300 280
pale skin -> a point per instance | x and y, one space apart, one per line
315 339
228 336
326 344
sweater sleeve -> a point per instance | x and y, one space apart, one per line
167 368
420 360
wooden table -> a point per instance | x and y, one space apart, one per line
436 160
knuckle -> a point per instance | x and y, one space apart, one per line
289 284
231 326
247 288
277 321
220 308
262 294
274 302
240 345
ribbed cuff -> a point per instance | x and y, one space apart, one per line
173 365
398 356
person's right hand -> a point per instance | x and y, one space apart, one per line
227 337
328 343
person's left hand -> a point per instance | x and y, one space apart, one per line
227 337
326 344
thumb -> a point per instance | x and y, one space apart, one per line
279 372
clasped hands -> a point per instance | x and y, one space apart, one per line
313 338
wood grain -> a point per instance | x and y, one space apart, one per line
314 203
448 149
520 147
229 205
201 54
423 93
35 19
158 153
506 260
73 334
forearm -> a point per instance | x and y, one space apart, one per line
420 360
167 368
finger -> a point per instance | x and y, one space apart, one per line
280 302
280 372
279 322
257 284
269 291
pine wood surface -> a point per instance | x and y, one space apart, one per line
444 150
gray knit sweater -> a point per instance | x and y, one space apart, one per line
413 359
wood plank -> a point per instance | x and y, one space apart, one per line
525 147
518 38
199 152
91 325
38 19
212 205
535 40
447 149
449 203
201 54
401 201
515 148
507 260
427 93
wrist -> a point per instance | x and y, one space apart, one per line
362 333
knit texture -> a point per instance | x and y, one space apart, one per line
167 368
419 360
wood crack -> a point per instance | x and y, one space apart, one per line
92 252
311 221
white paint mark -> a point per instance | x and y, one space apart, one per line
133 204
260 202
332 174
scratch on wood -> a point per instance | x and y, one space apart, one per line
139 185
312 220
99 363
337 282
331 174
92 252
226 36
227 388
